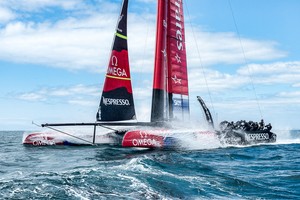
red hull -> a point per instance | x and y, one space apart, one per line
142 138
161 138
41 139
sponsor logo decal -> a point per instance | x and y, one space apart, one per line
114 61
177 102
42 142
176 80
147 139
178 59
144 142
258 136
116 71
115 102
178 25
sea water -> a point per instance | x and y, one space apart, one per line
109 172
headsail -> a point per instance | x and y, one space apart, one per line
116 102
170 86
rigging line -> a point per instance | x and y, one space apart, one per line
138 78
107 127
35 124
245 59
146 42
70 135
200 59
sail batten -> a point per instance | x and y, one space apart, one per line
116 102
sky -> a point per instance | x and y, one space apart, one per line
243 59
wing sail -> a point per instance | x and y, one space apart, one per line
170 99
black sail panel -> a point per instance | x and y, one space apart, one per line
116 102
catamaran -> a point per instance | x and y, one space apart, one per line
170 97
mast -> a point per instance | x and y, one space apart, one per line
170 98
116 102
158 112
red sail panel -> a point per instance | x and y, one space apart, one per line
177 63
116 102
118 72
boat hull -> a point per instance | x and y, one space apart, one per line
52 138
167 139
241 137
158 138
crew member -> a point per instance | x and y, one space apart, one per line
261 124
269 126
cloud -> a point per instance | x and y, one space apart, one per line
79 35
225 48
72 44
69 48
296 85
270 68
6 15
32 97
33 5
75 94
290 94
90 90
80 41
81 102
283 74
270 73
214 80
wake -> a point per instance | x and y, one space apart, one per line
200 142
288 136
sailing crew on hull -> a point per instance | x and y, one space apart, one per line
226 126
268 126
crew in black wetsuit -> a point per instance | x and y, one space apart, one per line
261 124
269 126
247 126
